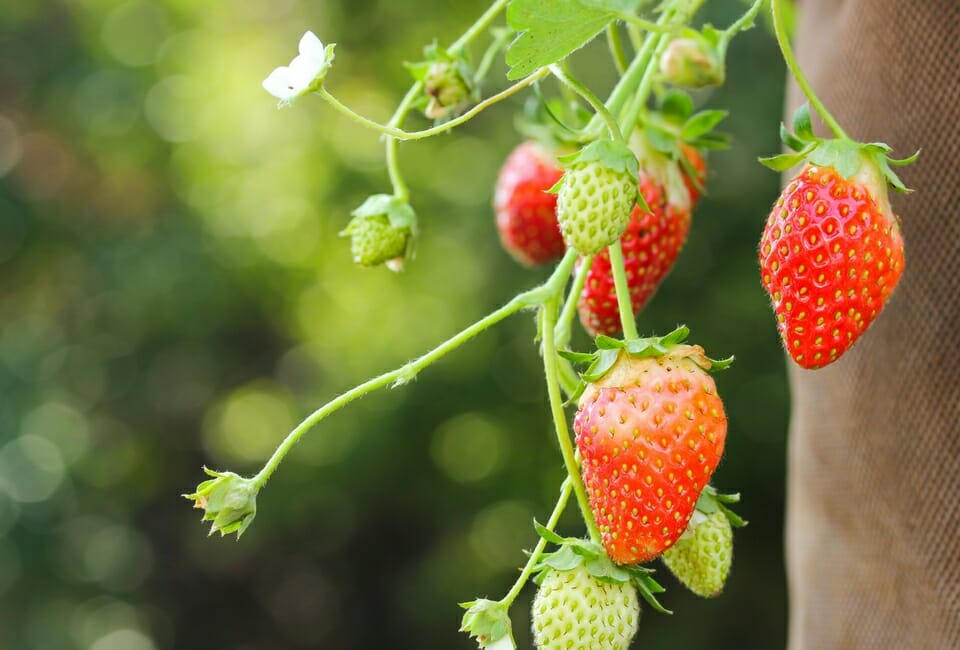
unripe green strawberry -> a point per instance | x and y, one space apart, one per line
596 195
701 558
575 611
381 232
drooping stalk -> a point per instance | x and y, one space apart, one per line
550 290
790 59
627 320
548 320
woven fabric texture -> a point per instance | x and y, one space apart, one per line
873 523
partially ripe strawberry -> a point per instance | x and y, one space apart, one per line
650 433
574 610
831 255
525 208
702 557
596 196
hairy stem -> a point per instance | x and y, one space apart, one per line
564 323
548 320
400 134
784 42
615 44
533 297
591 99
393 166
627 320
565 489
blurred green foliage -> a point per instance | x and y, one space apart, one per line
173 293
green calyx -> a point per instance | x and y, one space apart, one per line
610 349
846 156
609 154
574 552
382 230
228 500
488 621
712 501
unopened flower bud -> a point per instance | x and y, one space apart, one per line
692 62
448 89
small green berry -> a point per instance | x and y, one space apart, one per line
701 558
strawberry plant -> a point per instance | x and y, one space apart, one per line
609 193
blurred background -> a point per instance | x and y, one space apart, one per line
173 293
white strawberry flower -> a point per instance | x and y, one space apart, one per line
304 74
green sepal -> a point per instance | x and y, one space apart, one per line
488 621
711 501
846 156
802 125
397 210
228 500
610 154
647 587
608 351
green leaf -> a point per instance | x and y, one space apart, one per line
679 335
661 139
676 106
701 123
801 123
550 30
617 6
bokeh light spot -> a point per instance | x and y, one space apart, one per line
31 469
469 447
134 31
246 425
500 531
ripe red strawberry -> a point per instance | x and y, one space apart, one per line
830 256
651 244
526 212
650 434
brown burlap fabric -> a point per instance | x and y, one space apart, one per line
873 523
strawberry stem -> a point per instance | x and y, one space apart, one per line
393 166
615 44
627 320
565 489
562 332
591 99
400 134
548 320
779 29
547 292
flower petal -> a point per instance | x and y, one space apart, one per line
311 47
281 84
304 71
